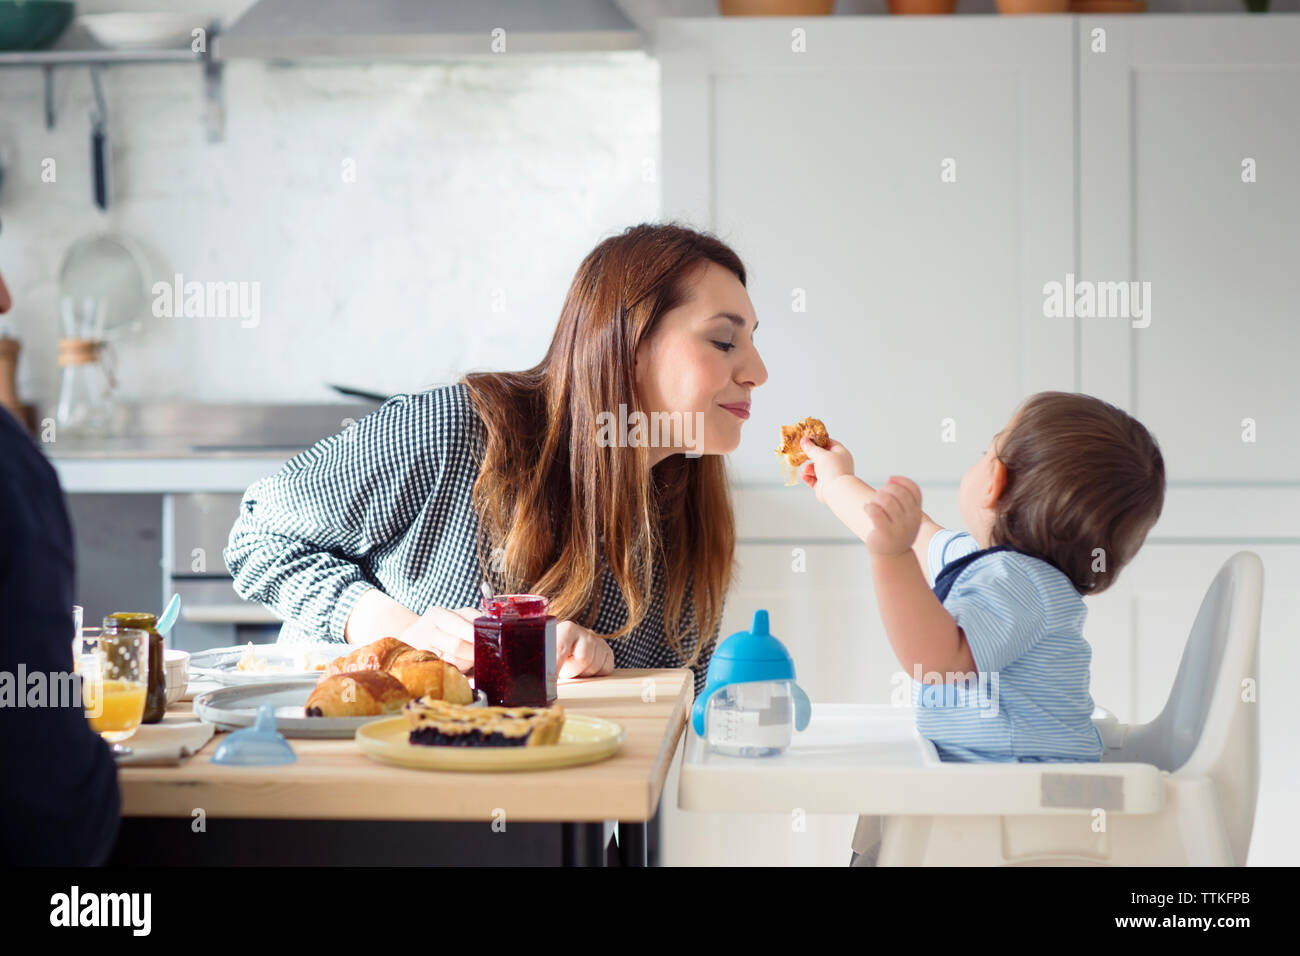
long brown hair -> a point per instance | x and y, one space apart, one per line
1082 476
551 499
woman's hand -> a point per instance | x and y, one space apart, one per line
895 514
580 653
824 466
448 633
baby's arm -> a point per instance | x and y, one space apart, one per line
921 546
848 496
923 634
891 520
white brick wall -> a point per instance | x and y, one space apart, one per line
470 178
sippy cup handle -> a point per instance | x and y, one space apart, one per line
697 711
802 707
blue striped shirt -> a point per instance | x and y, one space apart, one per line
1023 620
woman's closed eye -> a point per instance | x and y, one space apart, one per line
725 346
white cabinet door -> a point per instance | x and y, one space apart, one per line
1177 114
821 605
890 298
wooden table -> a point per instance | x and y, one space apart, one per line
333 781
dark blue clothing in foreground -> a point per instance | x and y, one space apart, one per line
59 802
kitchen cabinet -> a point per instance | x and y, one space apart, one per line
902 192
1189 179
898 191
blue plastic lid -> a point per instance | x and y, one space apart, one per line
746 656
751 655
258 746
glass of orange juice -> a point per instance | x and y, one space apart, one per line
114 670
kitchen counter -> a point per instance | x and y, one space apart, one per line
180 446
147 474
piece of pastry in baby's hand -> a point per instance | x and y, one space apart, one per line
358 694
789 450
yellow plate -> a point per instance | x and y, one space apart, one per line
583 740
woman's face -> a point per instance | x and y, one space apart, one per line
701 361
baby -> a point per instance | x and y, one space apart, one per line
1059 503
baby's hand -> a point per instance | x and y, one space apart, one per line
824 465
895 515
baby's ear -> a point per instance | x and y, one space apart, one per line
997 483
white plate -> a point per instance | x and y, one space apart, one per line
234 707
142 31
221 664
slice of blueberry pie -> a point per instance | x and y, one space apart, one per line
436 723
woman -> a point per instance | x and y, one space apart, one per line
388 527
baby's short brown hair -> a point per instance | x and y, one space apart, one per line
1085 483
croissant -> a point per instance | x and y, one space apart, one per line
375 656
358 694
423 673
427 675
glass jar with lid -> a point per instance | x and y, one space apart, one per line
155 701
514 651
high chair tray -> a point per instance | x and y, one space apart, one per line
859 758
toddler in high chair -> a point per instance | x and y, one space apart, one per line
989 621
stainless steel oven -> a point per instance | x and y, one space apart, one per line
196 527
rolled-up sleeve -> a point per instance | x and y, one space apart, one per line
303 534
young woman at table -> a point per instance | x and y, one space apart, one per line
388 527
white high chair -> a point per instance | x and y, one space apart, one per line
1205 743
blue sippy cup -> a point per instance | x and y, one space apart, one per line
751 704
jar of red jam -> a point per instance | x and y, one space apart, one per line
514 651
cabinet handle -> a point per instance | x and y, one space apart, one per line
228 614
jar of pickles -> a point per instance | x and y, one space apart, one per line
155 699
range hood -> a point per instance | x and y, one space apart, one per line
413 29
